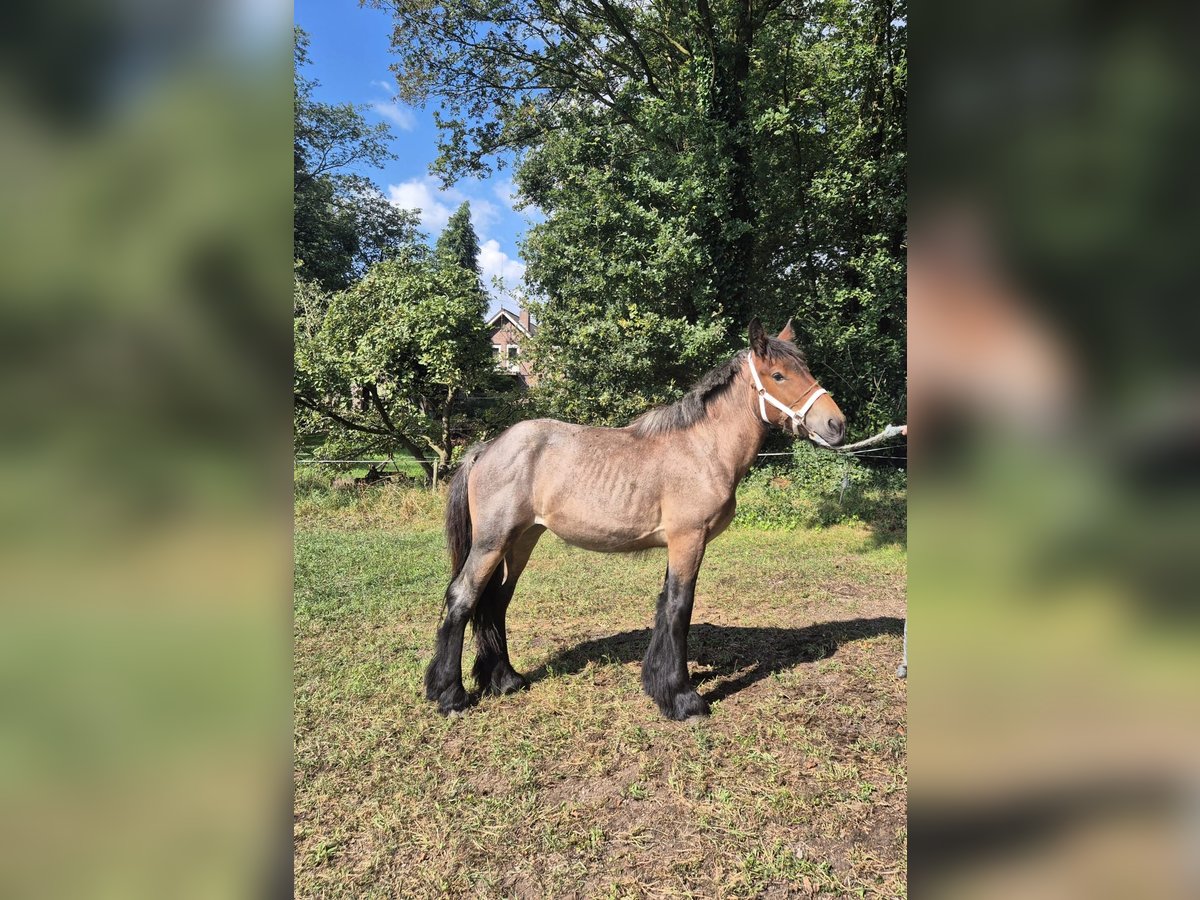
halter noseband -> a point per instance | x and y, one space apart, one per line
797 417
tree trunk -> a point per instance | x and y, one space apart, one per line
402 439
444 453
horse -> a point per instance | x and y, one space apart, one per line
665 480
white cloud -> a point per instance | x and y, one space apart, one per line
436 204
423 195
400 116
506 191
494 262
385 85
484 213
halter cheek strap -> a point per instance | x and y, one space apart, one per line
796 416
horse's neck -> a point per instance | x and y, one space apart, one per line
736 433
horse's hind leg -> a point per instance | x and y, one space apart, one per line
443 678
664 670
493 671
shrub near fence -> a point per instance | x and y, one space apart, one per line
817 488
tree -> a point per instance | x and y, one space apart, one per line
511 74
342 224
697 162
389 362
382 230
329 138
831 109
458 243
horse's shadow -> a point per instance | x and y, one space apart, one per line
734 657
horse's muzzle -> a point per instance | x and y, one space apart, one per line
834 431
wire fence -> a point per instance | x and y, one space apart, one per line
869 452
418 460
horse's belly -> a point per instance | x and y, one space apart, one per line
605 537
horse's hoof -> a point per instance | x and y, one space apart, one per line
512 684
453 701
687 707
508 683
696 719
456 714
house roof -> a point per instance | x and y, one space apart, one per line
515 319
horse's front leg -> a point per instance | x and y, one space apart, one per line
665 671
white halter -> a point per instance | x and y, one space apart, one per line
797 417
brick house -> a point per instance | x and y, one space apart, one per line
509 330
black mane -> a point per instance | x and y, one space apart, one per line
691 408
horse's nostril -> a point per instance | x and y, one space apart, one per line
835 427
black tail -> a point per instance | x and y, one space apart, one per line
458 512
493 671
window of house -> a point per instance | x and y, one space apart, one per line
512 351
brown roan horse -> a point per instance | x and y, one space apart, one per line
668 479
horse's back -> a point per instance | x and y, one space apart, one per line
531 438
513 460
538 435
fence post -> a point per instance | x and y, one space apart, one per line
433 481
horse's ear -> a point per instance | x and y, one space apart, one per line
787 334
758 337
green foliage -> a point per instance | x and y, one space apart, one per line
389 341
696 165
458 242
323 240
590 363
342 224
820 489
382 230
331 137
830 118
387 362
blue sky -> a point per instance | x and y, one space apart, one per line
349 54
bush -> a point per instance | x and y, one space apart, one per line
819 489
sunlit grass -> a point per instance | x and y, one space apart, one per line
578 786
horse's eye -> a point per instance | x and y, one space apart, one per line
778 376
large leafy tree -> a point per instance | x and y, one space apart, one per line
388 364
668 77
697 162
830 110
342 224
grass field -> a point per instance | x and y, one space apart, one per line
795 787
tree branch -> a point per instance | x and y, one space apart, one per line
613 16
341 420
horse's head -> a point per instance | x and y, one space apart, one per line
788 395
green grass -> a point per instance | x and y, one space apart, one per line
795 786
